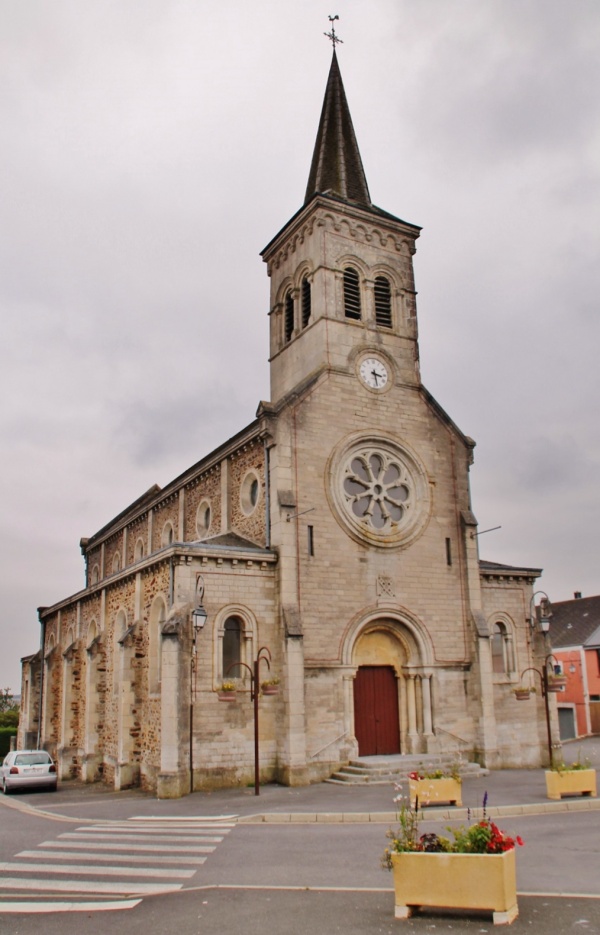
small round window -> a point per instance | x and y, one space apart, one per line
250 493
203 518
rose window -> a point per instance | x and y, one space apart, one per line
378 490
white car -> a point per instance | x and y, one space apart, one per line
23 769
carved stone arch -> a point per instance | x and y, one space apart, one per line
248 641
284 287
390 651
304 269
404 627
351 259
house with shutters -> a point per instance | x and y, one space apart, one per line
575 637
333 539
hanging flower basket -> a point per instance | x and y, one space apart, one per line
270 687
556 682
522 694
227 692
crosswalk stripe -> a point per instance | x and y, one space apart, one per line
70 835
89 886
132 858
118 846
80 870
159 833
23 908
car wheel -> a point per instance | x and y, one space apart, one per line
5 788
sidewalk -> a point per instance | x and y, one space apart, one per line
510 792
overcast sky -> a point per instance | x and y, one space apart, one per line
149 150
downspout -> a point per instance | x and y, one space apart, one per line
42 667
267 496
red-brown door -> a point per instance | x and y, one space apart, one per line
376 720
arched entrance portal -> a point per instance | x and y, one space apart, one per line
376 712
392 688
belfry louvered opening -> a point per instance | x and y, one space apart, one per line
289 317
383 302
351 294
305 297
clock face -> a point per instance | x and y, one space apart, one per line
373 373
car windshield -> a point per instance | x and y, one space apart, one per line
32 759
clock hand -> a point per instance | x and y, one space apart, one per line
375 376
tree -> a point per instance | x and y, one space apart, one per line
7 701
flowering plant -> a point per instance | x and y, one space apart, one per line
563 767
451 772
483 837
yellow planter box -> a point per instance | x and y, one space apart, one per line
570 782
456 881
435 791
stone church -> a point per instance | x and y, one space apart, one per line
333 539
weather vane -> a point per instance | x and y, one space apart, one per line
331 35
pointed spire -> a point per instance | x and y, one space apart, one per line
336 167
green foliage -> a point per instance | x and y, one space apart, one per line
9 718
482 837
5 734
7 701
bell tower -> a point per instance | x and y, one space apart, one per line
342 284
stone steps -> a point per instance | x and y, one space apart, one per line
374 770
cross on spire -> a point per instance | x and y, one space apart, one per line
331 35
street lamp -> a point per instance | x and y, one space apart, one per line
545 612
551 681
199 616
263 655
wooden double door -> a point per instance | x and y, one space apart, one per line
376 716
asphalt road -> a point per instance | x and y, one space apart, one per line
291 877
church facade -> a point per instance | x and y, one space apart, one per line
333 539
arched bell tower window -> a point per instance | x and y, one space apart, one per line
383 302
289 317
305 297
351 294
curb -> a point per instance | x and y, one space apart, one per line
454 814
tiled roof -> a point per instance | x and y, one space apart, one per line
336 167
575 622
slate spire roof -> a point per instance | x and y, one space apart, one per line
336 167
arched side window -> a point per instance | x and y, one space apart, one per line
116 562
352 306
155 625
289 316
383 302
234 636
232 648
203 519
167 534
95 575
503 661
306 301
138 552
118 633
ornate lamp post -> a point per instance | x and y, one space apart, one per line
199 616
263 655
551 681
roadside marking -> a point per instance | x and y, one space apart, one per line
158 834
193 818
82 870
27 908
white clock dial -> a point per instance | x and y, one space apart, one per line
373 373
